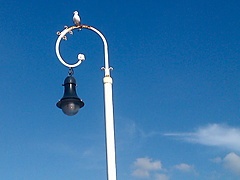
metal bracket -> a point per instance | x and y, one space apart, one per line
62 35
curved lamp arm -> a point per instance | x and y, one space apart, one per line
62 35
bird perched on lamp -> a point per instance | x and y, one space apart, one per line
76 18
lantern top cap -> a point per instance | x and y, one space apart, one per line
70 80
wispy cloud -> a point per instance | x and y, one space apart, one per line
132 130
216 160
213 135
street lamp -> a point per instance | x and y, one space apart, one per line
71 103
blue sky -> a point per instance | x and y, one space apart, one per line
176 90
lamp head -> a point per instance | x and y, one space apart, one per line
70 102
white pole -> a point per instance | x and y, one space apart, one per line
109 120
109 123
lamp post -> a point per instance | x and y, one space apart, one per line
71 103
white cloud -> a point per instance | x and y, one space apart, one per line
161 177
232 162
144 166
148 164
141 173
213 135
184 167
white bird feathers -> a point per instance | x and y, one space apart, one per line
76 18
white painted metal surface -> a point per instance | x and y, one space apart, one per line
57 48
110 137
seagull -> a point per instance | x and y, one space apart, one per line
76 18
